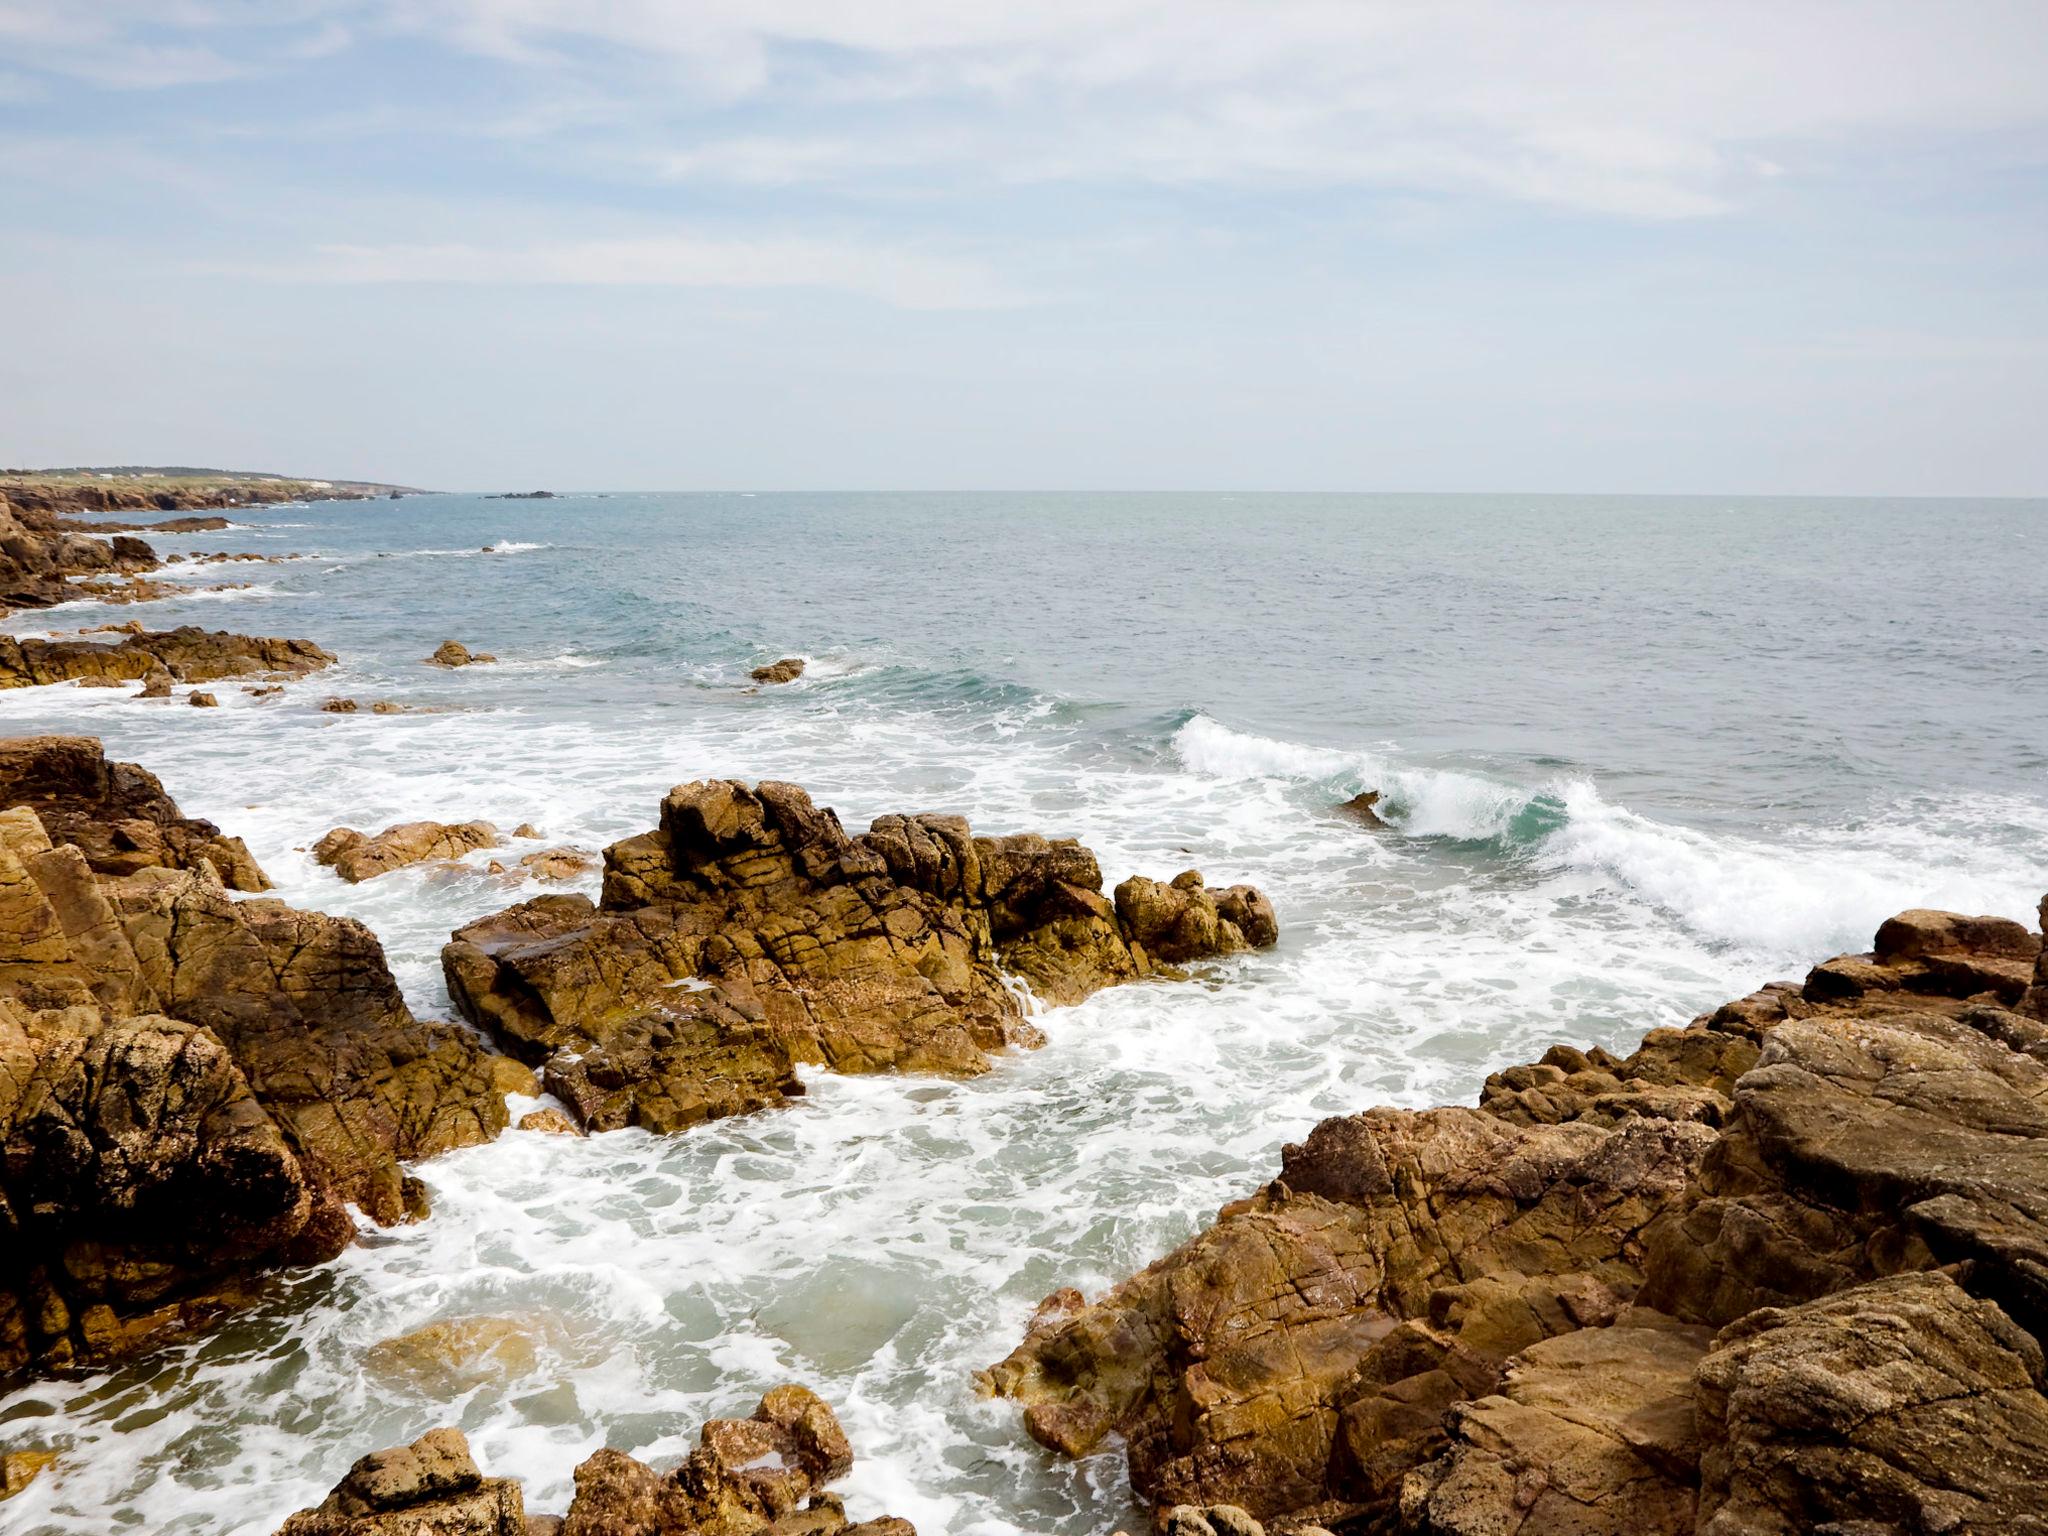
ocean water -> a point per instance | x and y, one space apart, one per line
1640 756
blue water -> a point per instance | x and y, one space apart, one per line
1640 756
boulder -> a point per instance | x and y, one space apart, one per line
188 655
759 1476
140 1183
357 857
1502 1320
453 653
749 933
1360 808
1903 1404
116 813
787 670
429 1488
199 700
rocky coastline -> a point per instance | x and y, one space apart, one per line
1784 1269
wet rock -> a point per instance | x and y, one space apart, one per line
141 1179
548 1121
156 684
339 706
759 1476
1360 808
188 655
200 700
20 1468
356 856
431 1486
553 864
1498 1320
749 933
116 813
787 670
453 653
444 1360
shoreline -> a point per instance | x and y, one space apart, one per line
1621 1152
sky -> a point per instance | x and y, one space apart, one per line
1798 247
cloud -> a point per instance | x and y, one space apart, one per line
904 278
1647 109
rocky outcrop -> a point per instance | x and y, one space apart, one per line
760 1476
117 814
39 556
453 653
187 655
1361 809
749 933
1784 1269
787 670
356 856
191 1086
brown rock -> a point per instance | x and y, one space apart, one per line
356 858
749 933
549 1121
1360 809
430 1486
1900 1405
189 655
117 813
339 707
787 670
202 700
453 653
20 1468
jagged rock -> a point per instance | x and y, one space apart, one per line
1900 1405
1443 1323
1360 808
1236 1366
787 670
429 1488
339 706
749 933
357 857
548 1121
38 555
552 864
156 683
759 1476
188 654
453 653
253 1067
141 1181
116 813
1591 1432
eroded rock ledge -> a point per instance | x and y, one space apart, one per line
187 654
1783 1270
190 1086
759 1476
749 933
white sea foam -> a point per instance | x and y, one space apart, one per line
885 1236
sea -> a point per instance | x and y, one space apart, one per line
1637 756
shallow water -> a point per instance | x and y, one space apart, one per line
1640 757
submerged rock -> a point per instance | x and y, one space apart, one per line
759 1476
787 670
1360 808
356 856
1503 1320
749 933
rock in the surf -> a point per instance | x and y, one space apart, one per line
1503 1319
453 653
358 856
787 670
188 655
1360 808
760 1476
749 933
143 996
116 813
